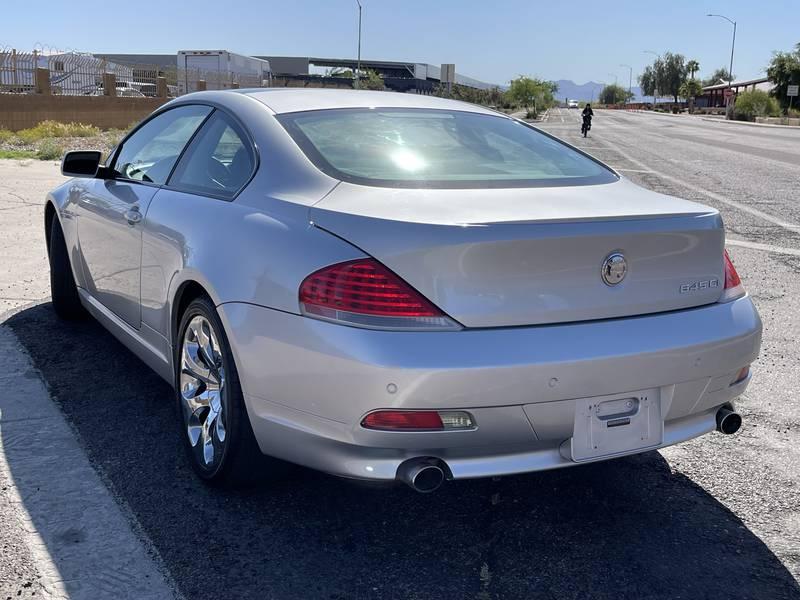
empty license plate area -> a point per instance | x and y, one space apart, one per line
609 425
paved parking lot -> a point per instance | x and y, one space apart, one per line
718 517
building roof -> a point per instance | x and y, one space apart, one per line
740 83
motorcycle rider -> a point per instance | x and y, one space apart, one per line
587 114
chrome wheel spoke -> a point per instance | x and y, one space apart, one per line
202 391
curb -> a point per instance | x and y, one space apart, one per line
748 124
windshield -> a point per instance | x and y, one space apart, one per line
437 148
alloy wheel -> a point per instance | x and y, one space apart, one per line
203 394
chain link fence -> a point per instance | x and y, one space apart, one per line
81 74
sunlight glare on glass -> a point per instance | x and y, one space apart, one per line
407 160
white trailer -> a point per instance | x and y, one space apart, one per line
220 69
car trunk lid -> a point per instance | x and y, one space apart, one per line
513 257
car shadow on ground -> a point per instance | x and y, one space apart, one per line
629 528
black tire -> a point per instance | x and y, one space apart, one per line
63 290
241 462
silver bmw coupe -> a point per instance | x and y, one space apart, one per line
397 287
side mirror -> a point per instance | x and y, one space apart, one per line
81 163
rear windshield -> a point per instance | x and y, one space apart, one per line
437 148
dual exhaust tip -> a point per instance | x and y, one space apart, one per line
427 474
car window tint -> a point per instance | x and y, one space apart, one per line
218 162
150 153
438 148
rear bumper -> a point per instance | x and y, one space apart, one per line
308 384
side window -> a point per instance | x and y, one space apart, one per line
218 162
150 153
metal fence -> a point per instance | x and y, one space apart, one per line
81 74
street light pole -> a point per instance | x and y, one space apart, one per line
655 82
630 81
358 70
730 71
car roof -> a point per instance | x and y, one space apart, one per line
281 100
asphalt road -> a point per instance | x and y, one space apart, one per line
718 517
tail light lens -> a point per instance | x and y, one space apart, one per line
418 420
733 284
366 294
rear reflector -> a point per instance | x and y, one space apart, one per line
743 374
363 292
733 284
418 420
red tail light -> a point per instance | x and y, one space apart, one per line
400 419
418 420
731 276
733 284
364 292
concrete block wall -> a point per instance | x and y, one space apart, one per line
21 111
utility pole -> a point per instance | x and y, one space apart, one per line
730 71
358 69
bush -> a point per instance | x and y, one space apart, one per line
49 150
5 135
54 129
755 103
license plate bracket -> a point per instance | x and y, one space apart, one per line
607 426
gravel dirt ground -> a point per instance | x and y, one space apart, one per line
718 517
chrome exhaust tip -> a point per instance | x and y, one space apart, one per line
728 421
425 475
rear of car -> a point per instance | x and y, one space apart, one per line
511 305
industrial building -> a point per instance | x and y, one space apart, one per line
400 76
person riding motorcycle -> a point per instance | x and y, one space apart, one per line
587 114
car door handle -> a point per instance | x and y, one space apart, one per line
133 216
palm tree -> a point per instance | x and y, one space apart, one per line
693 66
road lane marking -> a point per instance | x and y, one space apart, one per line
763 247
793 227
632 170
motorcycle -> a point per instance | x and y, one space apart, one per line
587 124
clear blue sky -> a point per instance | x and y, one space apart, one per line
492 41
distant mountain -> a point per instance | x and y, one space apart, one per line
568 89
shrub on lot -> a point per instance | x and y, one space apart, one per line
54 129
755 103
115 136
49 150
17 154
5 135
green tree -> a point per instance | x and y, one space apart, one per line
784 70
529 92
614 94
690 89
372 81
673 73
721 75
693 67
647 81
665 76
